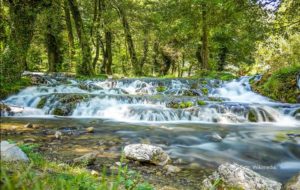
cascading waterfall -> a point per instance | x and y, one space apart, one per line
149 100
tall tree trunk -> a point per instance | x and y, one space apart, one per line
23 15
204 38
85 67
130 44
156 65
167 62
70 32
145 53
222 58
108 51
53 37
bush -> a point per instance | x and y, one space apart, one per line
280 85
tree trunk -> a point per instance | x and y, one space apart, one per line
145 53
222 58
85 67
23 15
70 32
108 51
53 36
130 44
156 65
204 38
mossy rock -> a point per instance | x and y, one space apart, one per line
59 112
204 91
73 98
215 99
252 116
42 103
161 88
280 85
201 103
181 105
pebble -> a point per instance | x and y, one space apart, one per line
28 125
58 134
90 129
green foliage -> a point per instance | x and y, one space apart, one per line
45 174
7 88
281 85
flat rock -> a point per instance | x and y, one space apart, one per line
293 183
146 153
28 125
241 177
86 159
11 152
172 169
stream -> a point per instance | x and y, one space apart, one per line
201 121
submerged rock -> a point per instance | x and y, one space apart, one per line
146 153
293 183
11 152
86 159
172 169
58 134
241 177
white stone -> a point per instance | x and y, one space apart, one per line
242 177
146 153
11 152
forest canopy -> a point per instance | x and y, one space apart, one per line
148 37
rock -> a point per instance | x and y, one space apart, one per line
87 159
120 164
29 140
95 173
240 177
58 134
90 129
194 165
28 125
172 169
293 183
11 152
146 153
216 137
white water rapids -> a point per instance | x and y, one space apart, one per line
149 100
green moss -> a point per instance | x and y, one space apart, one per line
201 103
215 99
58 111
161 88
7 89
72 98
42 103
252 116
204 91
280 85
182 105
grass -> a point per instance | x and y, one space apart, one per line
100 76
7 89
280 85
44 174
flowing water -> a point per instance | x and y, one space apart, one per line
204 121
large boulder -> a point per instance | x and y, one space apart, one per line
293 183
11 152
240 177
146 153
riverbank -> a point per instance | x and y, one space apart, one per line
281 85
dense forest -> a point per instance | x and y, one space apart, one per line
150 94
148 37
